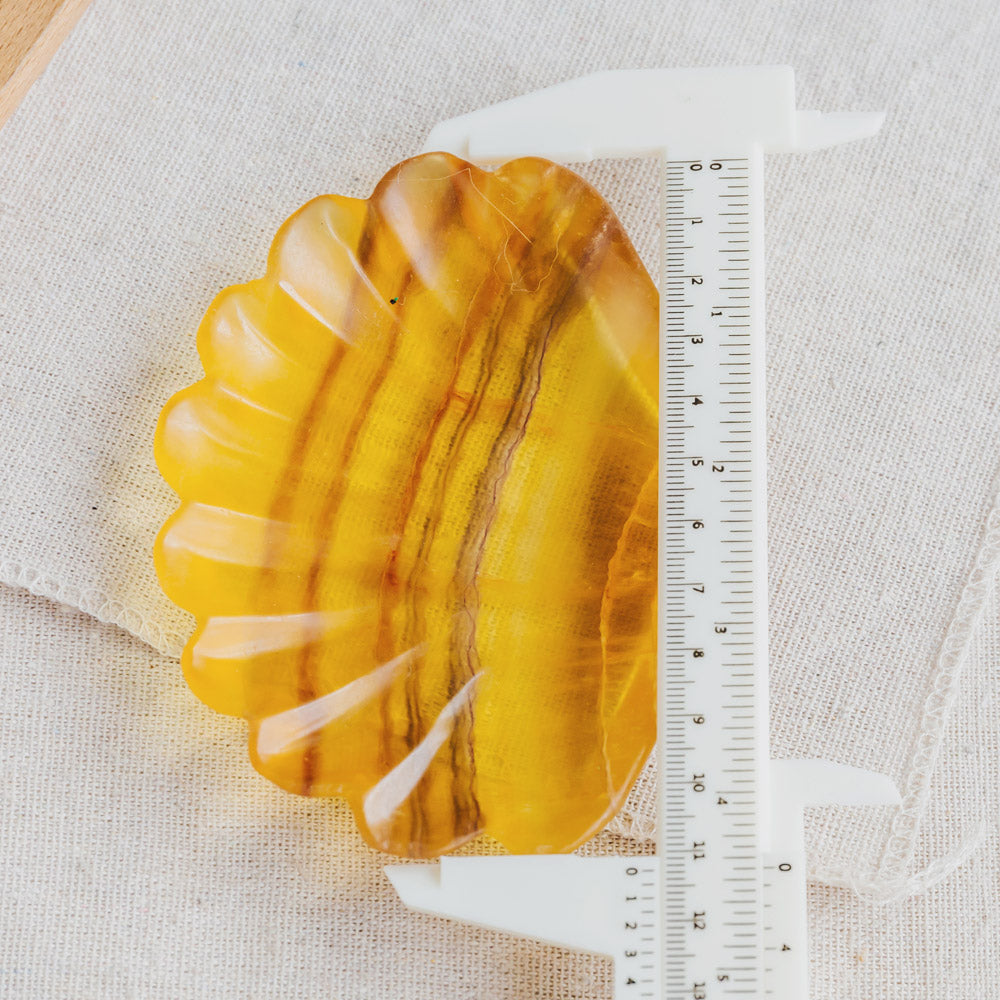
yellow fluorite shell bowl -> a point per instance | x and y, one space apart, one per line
418 507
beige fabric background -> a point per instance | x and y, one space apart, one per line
152 164
142 858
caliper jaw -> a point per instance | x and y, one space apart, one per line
582 903
643 112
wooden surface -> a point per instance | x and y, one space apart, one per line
30 33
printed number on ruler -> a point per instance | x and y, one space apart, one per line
637 964
711 842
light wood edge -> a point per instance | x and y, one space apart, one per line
37 57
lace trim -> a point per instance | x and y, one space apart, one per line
874 889
95 604
890 880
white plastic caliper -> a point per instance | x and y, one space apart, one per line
721 910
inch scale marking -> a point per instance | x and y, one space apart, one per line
720 911
713 575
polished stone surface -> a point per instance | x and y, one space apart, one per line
418 511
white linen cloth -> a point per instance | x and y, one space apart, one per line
151 166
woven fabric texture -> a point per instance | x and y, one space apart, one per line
143 858
151 166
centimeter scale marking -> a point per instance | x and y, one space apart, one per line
712 701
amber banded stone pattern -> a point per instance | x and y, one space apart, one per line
418 507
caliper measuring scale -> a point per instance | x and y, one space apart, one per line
720 910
